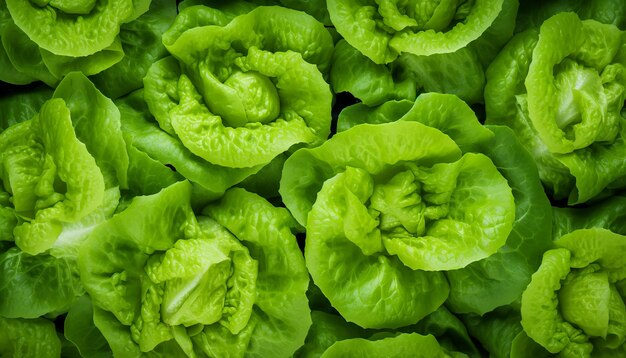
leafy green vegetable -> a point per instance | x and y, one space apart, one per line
573 305
255 93
394 211
233 282
499 279
564 102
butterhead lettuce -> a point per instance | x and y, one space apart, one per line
239 92
232 280
564 102
383 219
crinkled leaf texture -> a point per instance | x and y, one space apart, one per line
158 159
230 283
76 28
258 90
381 218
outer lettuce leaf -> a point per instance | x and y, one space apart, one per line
501 334
606 11
28 338
445 112
96 121
371 83
251 99
360 113
585 310
33 286
141 41
20 107
576 143
23 61
72 28
607 214
449 330
501 278
327 329
80 330
356 214
402 345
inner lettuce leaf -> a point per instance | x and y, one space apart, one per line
565 101
239 92
198 286
573 305
73 28
158 159
400 213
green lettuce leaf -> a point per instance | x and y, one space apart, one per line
159 159
402 345
20 107
76 28
80 330
327 329
608 214
32 286
28 338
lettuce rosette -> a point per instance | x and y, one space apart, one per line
500 278
45 40
231 282
62 170
574 305
561 87
241 89
388 208
444 45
